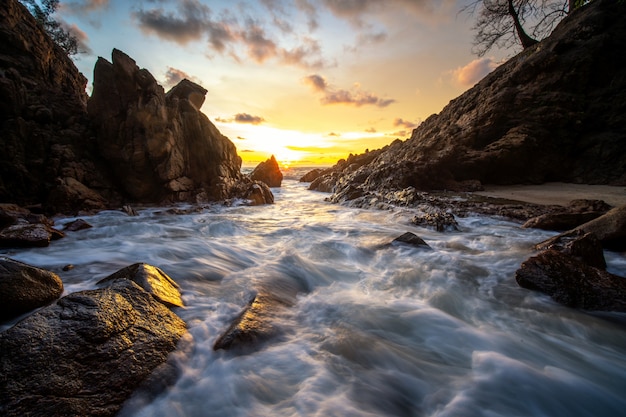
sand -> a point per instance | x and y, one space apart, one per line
557 193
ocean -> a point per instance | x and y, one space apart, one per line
376 329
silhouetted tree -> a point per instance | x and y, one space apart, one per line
506 23
42 11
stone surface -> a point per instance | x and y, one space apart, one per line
411 239
554 112
268 172
153 280
76 225
576 213
572 282
160 147
86 354
24 288
28 235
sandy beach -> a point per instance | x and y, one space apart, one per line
557 193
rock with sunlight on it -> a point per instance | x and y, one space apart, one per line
268 172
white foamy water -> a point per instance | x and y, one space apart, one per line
377 330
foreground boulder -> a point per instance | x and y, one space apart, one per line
24 288
86 354
268 172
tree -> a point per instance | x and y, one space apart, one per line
42 11
507 23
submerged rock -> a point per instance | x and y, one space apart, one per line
24 288
85 354
411 239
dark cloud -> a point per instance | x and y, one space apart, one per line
334 134
242 118
305 56
220 34
260 47
333 95
404 123
241 138
174 75
189 24
248 118
317 82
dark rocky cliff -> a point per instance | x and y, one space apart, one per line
129 142
555 112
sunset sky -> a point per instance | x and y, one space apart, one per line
309 81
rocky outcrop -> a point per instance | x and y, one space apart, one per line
25 288
159 146
411 239
87 353
21 228
554 112
268 172
130 142
45 137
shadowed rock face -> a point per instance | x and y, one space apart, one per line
159 146
268 172
555 112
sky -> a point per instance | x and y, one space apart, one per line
309 81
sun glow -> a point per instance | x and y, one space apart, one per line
257 143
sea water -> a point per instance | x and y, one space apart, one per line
376 330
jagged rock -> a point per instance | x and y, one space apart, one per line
575 214
129 210
258 193
554 112
153 280
76 225
28 235
159 146
85 354
25 288
411 239
70 196
255 324
572 282
312 175
268 172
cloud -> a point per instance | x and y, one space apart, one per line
260 47
242 118
83 7
474 71
189 24
332 95
370 130
174 75
334 134
81 37
404 123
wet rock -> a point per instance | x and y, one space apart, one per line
411 239
28 235
268 172
152 279
572 282
576 213
129 210
76 225
436 219
609 228
24 288
583 246
85 354
256 323
312 175
258 194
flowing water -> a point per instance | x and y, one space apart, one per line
377 330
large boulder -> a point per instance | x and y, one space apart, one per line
268 172
577 212
159 146
24 288
554 112
86 354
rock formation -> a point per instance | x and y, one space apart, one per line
159 146
129 142
87 353
554 112
268 172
